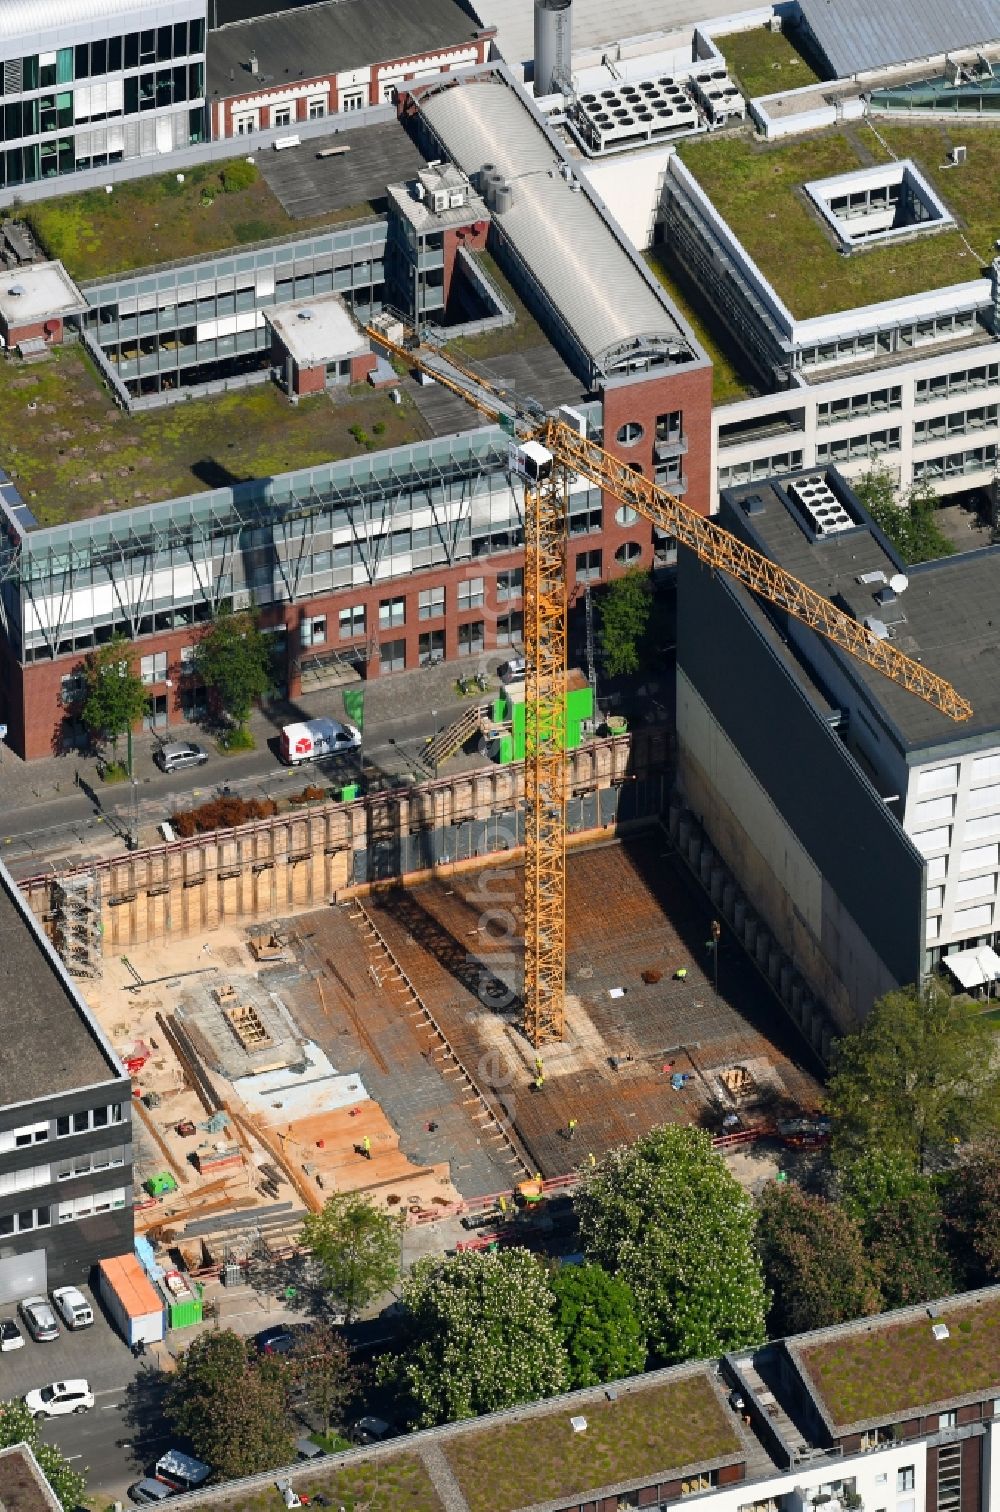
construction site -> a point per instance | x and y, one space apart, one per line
376 1043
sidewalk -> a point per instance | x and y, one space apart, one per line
426 694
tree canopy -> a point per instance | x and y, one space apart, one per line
919 1074
481 1335
17 1426
909 520
814 1261
233 658
597 1319
666 1214
232 1407
319 1369
626 607
116 698
357 1246
974 1214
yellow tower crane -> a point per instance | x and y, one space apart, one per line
546 454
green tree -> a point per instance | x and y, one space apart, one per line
625 615
232 1407
17 1426
909 521
973 1204
666 1214
233 658
115 699
919 1074
357 1247
899 1211
596 1316
814 1261
481 1335
319 1368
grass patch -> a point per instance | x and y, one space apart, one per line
881 1373
763 62
399 1484
235 740
730 378
757 190
152 220
73 453
523 334
643 1433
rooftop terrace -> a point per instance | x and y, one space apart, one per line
72 453
757 189
878 1369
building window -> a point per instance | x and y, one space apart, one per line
317 108
154 668
393 656
72 689
243 125
352 622
588 566
90 1202
510 629
471 638
949 1478
470 594
670 428
90 1118
354 99
391 613
431 603
669 472
281 115
24 1222
625 515
948 1419
187 659
629 434
23 1138
430 648
628 552
905 1478
510 584
314 630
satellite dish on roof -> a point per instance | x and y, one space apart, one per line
16 290
899 582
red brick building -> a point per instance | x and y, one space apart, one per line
332 57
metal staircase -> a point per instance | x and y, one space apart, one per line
472 721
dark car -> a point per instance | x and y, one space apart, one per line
278 1340
178 755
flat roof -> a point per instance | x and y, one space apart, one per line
49 1044
877 1369
757 189
330 37
37 292
856 36
317 330
946 617
595 22
586 269
420 211
23 1487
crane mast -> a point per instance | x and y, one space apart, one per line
546 514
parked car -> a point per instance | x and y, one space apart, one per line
178 755
73 1307
371 1430
59 1399
39 1319
10 1335
277 1340
149 1490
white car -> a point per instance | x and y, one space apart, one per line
60 1398
10 1336
73 1307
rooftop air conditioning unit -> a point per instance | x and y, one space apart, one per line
440 200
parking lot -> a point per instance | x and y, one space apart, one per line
97 1354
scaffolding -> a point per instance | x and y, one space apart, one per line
78 933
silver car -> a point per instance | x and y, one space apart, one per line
178 755
39 1319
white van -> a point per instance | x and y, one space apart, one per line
315 738
73 1307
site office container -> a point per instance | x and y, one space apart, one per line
132 1300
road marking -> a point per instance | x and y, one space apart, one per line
73 1456
111 1391
111 1406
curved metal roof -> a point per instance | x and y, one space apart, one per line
585 269
855 35
20 19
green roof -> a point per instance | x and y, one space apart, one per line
757 189
647 1431
881 1368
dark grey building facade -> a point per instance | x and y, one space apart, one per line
65 1119
765 761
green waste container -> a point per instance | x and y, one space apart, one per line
186 1313
159 1186
349 792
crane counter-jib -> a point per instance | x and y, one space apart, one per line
716 546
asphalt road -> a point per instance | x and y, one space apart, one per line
73 823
